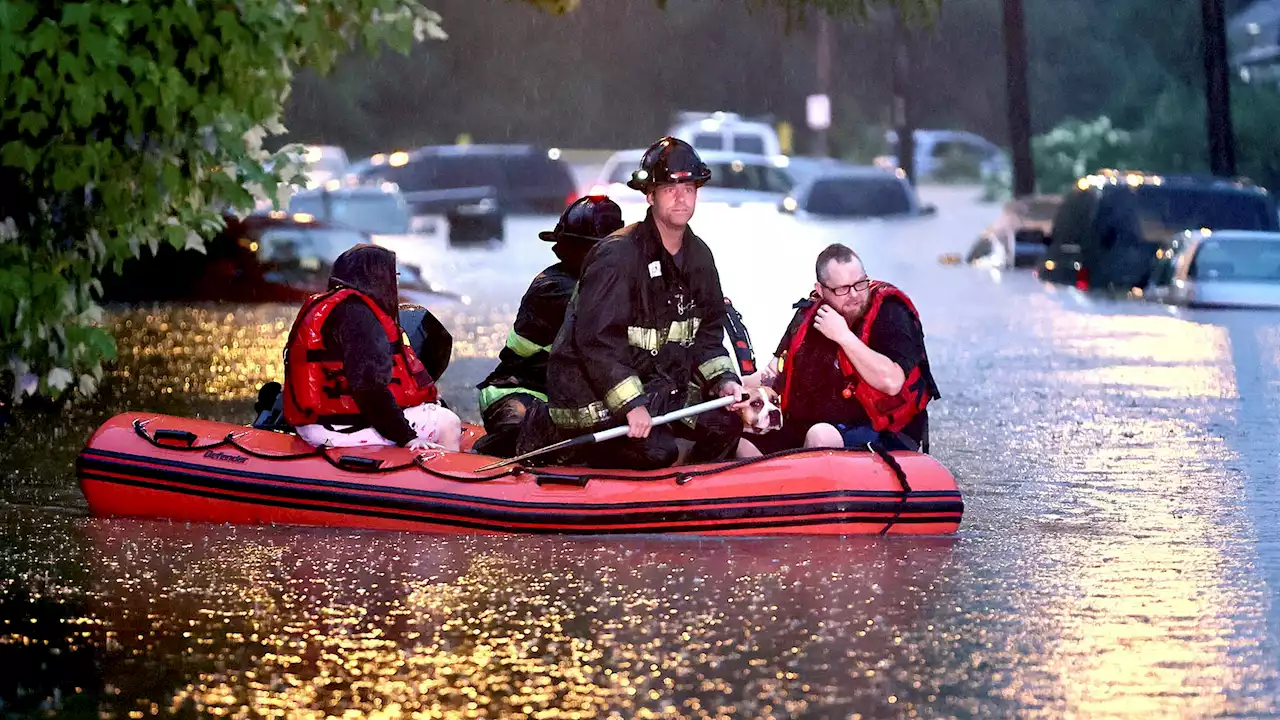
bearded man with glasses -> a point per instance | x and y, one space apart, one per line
851 368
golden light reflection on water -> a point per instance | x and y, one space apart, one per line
1145 600
1157 356
1135 337
227 352
272 623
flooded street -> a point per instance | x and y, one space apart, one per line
1119 554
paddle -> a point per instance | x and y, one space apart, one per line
616 432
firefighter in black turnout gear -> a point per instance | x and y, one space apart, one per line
644 334
519 383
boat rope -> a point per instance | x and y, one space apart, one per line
185 440
881 452
165 438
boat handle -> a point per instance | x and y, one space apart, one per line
179 436
355 462
553 479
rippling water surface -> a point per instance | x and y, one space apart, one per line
1119 554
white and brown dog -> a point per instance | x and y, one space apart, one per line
761 414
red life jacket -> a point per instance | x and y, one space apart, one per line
887 412
315 387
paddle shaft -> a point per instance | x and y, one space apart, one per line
616 432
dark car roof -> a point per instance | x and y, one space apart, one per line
1121 178
850 171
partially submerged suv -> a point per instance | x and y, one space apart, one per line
475 186
1112 225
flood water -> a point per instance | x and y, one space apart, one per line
1119 554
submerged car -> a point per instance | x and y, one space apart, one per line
371 209
1113 226
263 258
1226 268
1019 237
854 193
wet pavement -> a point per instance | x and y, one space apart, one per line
1119 554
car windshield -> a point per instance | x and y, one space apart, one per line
859 197
752 144
311 249
708 141
373 213
1192 208
738 175
621 172
1237 260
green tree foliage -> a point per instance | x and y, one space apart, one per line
1170 138
1076 148
128 125
1174 139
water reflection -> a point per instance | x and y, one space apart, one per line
282 622
1120 555
1141 545
225 352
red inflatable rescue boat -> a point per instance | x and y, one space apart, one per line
160 466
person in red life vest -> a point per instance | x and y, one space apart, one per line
351 377
851 368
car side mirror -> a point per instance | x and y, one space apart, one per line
929 209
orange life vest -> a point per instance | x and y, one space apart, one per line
886 412
315 388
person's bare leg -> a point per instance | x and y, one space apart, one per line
747 449
450 430
823 435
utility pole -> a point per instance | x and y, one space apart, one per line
1217 90
903 119
1019 104
821 146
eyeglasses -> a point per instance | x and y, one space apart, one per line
843 290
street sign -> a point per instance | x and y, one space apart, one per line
817 112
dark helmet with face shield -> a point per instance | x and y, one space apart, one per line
670 160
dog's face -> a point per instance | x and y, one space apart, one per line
761 415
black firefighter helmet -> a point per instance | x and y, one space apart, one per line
670 160
589 218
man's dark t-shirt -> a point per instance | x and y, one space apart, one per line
816 380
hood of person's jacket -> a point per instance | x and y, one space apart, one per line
371 270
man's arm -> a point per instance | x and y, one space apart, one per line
893 333
877 370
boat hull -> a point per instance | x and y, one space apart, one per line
164 467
